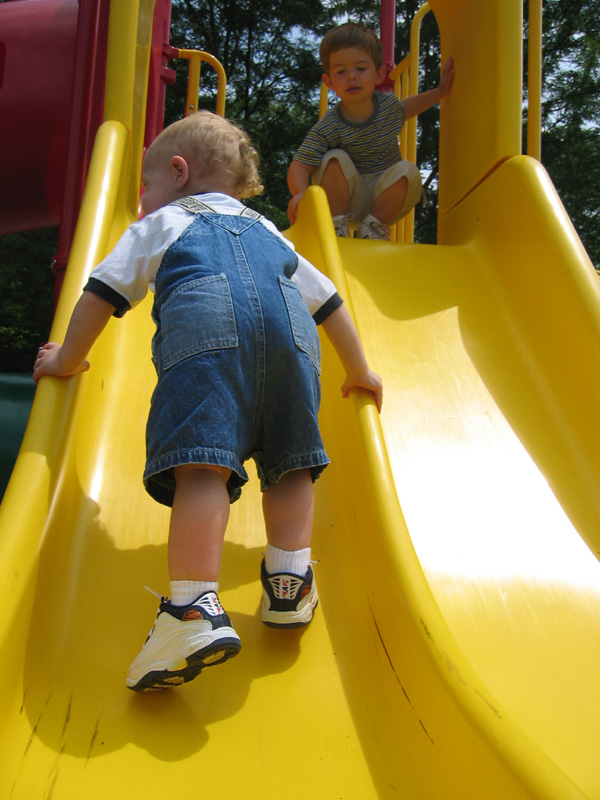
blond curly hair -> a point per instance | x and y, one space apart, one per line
213 145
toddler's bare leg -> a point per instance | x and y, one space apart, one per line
336 188
190 632
389 203
288 508
198 521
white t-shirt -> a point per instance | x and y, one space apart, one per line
124 277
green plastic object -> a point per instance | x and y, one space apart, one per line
16 397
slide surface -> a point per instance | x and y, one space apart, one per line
454 650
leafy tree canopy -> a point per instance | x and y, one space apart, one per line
571 112
27 292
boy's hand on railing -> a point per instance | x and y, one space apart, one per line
446 77
293 207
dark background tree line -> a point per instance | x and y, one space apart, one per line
269 51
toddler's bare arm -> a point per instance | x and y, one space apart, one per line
341 332
88 320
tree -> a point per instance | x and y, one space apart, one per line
27 292
571 112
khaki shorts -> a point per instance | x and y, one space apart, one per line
364 188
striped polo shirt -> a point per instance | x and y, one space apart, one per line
372 145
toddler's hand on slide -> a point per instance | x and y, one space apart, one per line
48 363
369 381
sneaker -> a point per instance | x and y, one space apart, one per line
288 600
373 230
183 641
340 226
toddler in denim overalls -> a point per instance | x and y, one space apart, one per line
237 355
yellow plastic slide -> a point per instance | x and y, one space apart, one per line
455 648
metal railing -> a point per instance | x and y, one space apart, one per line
195 58
406 83
534 81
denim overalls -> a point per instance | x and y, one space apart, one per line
237 356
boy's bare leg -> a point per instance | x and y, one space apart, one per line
288 508
198 521
389 203
336 188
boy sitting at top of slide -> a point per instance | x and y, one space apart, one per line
353 152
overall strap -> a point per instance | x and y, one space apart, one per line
196 206
193 204
250 212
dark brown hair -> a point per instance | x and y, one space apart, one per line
350 34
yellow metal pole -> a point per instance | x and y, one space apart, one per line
413 88
323 100
534 82
413 77
191 99
195 57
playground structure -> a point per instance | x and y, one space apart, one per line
455 649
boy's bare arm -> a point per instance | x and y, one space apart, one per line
298 178
341 332
88 320
417 103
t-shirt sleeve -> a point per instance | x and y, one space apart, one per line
128 271
317 290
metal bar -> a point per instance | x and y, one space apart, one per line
196 57
534 81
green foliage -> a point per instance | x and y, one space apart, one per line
27 292
571 112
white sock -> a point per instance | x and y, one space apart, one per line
293 562
185 592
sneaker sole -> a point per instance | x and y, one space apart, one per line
210 656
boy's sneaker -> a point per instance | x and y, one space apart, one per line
373 230
341 226
183 641
288 600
